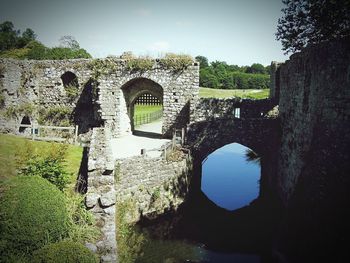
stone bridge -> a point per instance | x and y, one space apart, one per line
217 122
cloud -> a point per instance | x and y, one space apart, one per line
160 46
144 12
183 23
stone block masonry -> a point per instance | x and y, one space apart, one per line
313 157
101 194
209 108
153 186
106 90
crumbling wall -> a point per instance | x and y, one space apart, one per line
153 186
101 194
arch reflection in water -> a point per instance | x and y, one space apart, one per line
228 179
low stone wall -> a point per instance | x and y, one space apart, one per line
207 108
101 194
152 185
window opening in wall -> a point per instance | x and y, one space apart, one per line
25 121
237 112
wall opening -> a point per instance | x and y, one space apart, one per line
25 121
143 107
69 79
71 85
230 176
236 112
148 112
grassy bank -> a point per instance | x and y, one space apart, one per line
11 146
226 93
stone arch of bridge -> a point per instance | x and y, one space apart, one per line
207 136
132 90
204 137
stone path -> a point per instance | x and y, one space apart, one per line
146 137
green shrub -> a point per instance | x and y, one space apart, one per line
139 64
72 92
49 166
27 109
102 67
176 62
33 213
16 53
59 115
64 252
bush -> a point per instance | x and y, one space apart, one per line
176 62
59 115
33 213
139 64
48 168
27 109
64 252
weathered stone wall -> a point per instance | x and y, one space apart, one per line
39 83
275 80
153 186
180 90
314 113
208 108
101 194
314 159
29 87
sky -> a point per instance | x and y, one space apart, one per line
239 32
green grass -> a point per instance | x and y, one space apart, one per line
10 145
226 93
145 109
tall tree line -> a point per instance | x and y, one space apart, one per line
220 75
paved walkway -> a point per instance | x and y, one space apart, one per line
145 137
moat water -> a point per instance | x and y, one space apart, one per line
231 182
228 179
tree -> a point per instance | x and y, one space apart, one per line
27 36
203 61
69 42
8 36
256 68
312 21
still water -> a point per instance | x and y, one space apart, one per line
228 179
231 182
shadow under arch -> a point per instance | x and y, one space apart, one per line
84 114
134 89
248 229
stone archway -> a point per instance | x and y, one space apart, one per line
132 91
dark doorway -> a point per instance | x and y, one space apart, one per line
25 121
